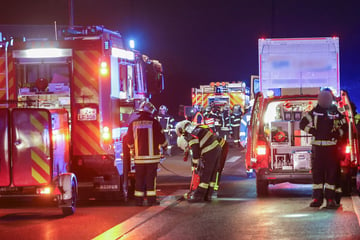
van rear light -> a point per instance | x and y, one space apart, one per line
261 150
347 149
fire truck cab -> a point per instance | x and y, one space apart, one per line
89 72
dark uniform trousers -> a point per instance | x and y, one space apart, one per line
325 171
209 172
145 182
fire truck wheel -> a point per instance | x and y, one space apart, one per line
70 209
262 188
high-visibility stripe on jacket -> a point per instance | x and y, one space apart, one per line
145 136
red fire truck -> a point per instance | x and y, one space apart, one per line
89 72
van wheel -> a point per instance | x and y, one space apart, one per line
262 187
69 210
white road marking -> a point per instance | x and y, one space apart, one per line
233 159
132 223
356 204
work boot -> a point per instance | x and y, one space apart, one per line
196 196
331 204
316 203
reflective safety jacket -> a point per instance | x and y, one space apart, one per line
235 119
326 125
145 136
201 140
166 121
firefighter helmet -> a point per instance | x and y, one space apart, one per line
237 108
163 108
147 107
180 127
182 143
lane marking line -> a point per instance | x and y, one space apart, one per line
137 220
356 204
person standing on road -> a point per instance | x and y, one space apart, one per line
167 123
145 136
235 119
327 125
205 148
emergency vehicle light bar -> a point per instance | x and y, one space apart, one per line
124 54
42 53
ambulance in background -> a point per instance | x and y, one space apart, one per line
291 74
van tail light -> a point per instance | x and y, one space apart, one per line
348 149
106 135
261 150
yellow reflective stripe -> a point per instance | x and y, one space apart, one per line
139 194
212 184
338 190
318 186
193 141
195 160
151 193
204 185
146 161
210 147
315 121
323 143
216 187
222 142
193 168
309 118
307 128
205 138
329 186
147 157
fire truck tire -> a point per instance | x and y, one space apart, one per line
69 206
262 187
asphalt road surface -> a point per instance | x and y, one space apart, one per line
236 214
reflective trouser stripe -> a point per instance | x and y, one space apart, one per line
204 185
338 190
195 161
216 187
329 186
212 184
151 193
318 186
139 194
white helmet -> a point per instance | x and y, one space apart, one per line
180 127
147 107
182 143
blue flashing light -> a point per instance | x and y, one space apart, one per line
132 44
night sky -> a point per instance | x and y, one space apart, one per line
202 41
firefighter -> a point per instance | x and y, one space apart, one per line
198 115
145 136
327 125
235 124
167 123
205 146
225 123
210 116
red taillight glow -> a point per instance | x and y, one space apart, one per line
261 150
43 191
347 149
